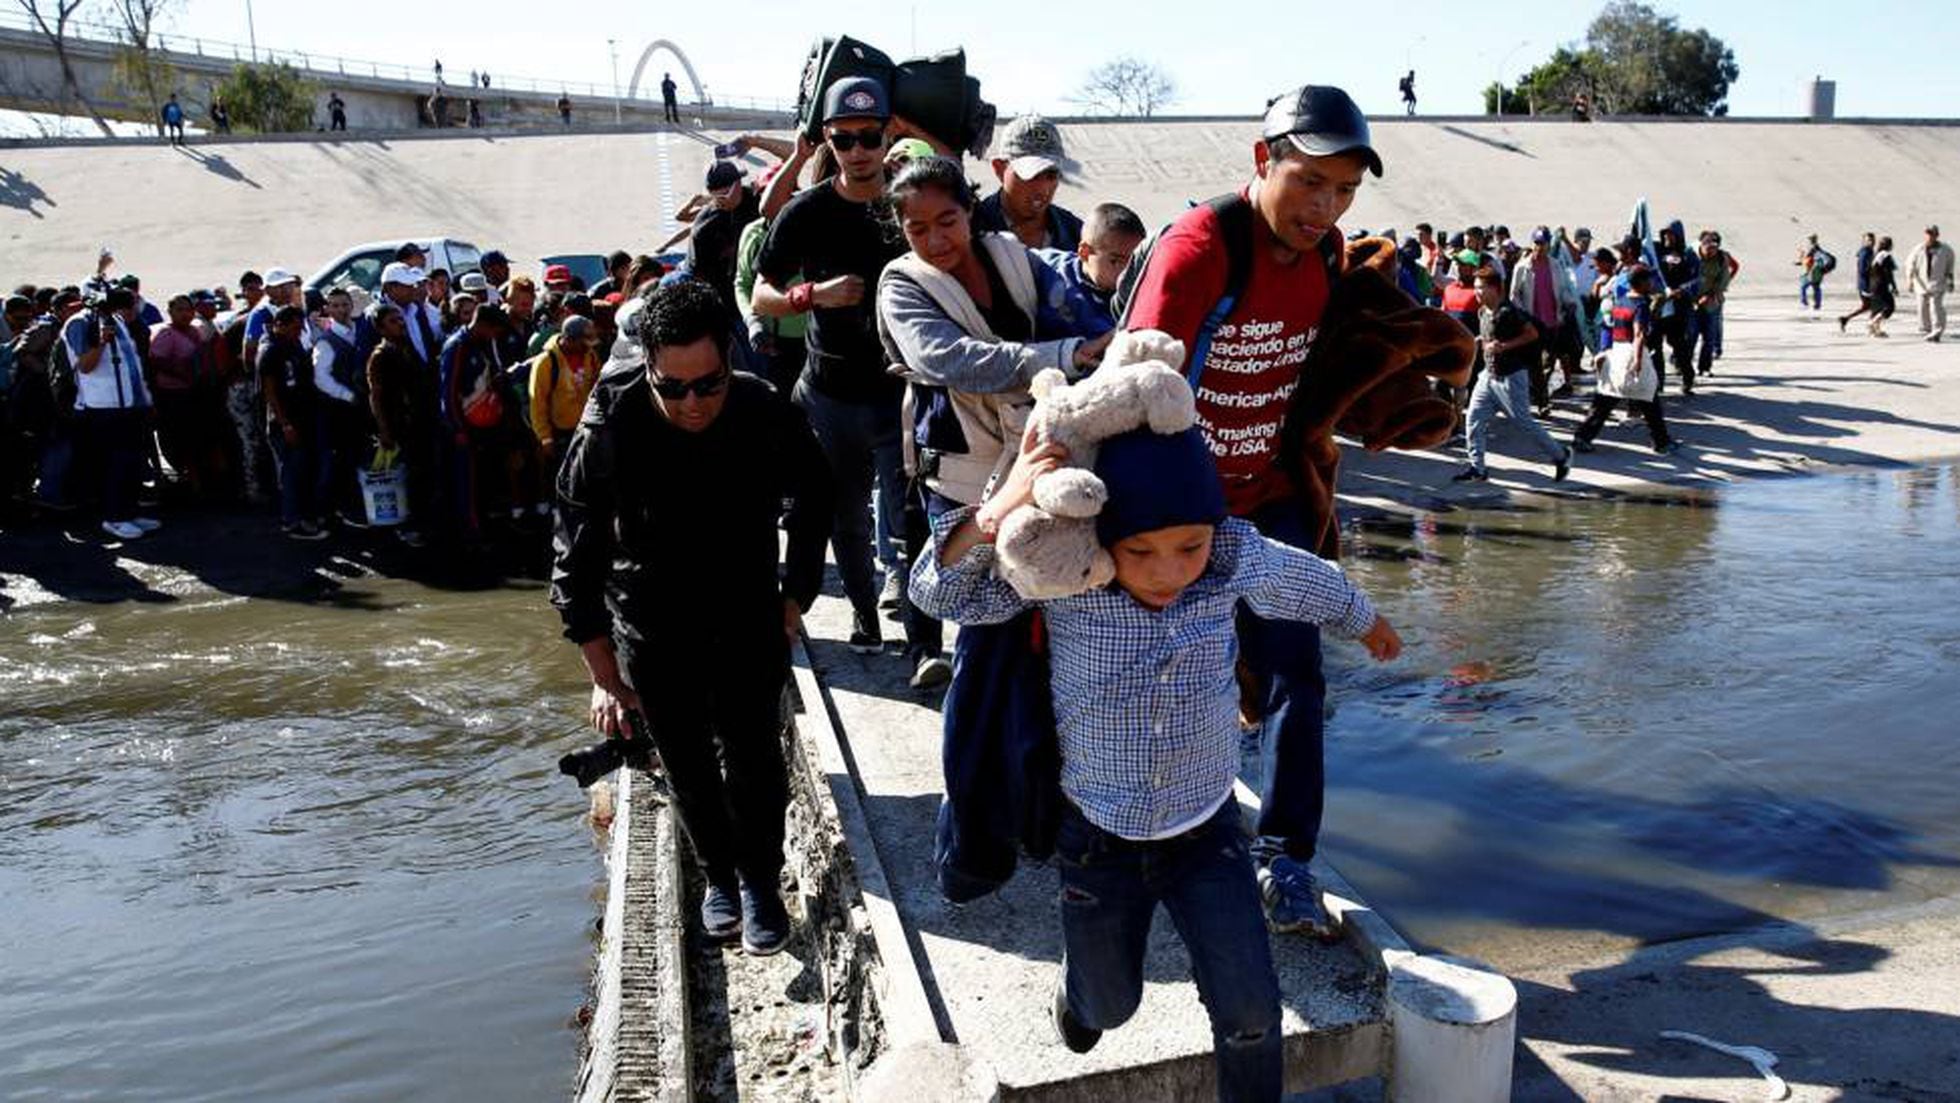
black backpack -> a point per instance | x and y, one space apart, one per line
1235 215
1823 261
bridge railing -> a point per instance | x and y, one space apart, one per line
326 66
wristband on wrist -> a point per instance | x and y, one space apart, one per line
801 296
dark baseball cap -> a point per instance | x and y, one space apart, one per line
723 174
856 98
494 256
1320 120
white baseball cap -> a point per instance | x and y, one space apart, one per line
405 274
276 276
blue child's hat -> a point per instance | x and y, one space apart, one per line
1155 481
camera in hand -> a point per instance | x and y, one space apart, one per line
634 749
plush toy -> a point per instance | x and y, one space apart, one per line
1048 549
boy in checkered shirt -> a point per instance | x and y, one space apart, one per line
1146 710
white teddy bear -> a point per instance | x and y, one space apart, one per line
1048 549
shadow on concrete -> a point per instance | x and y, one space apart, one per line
218 165
22 194
1494 143
1611 1019
243 554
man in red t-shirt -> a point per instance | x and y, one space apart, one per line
1307 166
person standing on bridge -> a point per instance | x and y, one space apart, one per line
1408 86
336 112
668 576
1929 274
668 91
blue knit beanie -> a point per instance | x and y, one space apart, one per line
1155 481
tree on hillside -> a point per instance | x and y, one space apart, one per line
1635 61
269 98
52 19
1127 86
141 69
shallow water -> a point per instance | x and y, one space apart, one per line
265 849
1636 722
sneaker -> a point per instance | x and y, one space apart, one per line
1582 446
352 520
1932 338
147 524
1078 1038
1842 322
304 530
1668 449
721 915
122 530
1292 899
893 595
409 537
765 922
932 672
1470 475
1563 467
866 639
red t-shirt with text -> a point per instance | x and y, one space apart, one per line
1256 353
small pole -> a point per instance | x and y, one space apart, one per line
613 49
252 31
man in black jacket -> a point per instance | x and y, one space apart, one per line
666 575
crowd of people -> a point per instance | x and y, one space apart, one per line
1928 271
845 360
459 390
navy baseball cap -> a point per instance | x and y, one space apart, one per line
723 174
1320 120
856 98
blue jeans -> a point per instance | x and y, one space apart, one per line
860 442
1809 290
1708 321
1111 887
1512 394
299 475
1285 657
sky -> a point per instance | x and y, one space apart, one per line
1896 59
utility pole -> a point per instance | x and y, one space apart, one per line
251 32
612 47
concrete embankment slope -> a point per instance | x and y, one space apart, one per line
190 217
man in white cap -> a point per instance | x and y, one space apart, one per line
281 289
401 285
1029 166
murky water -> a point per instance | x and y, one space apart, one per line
1638 722
264 849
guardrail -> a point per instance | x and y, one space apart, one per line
330 65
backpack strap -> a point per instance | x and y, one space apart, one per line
1234 214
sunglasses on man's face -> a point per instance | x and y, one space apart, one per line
844 141
675 390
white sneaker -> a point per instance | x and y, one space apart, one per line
147 524
893 595
932 672
122 530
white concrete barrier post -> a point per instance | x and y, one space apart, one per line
1452 1031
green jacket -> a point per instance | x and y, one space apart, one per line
747 249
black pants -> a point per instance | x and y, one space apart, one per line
715 713
1678 330
673 111
110 456
1602 408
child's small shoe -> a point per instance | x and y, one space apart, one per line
1078 1038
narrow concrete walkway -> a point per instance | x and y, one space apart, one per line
990 966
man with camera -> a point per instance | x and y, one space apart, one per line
112 406
666 574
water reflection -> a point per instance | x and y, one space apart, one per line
1646 720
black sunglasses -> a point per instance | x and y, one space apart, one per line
676 389
844 141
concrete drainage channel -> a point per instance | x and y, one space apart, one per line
675 1020
850 1011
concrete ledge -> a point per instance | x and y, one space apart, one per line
636 1046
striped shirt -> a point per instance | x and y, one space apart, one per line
1146 704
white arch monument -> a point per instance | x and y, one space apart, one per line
633 88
